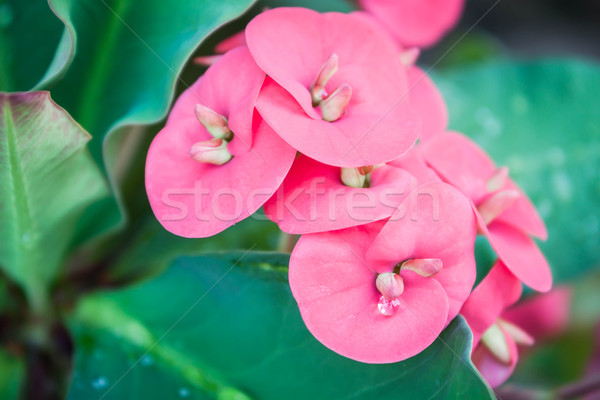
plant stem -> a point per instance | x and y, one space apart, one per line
579 389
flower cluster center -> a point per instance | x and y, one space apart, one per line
391 284
212 151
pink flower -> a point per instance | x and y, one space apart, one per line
216 161
505 214
314 198
416 22
499 327
383 292
337 89
495 351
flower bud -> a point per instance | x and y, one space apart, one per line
495 341
390 285
213 151
352 177
517 334
409 56
423 266
498 180
207 61
214 123
317 88
496 204
334 106
366 170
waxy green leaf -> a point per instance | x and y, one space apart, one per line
34 50
128 56
47 178
226 326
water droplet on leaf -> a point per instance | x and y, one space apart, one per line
99 383
147 361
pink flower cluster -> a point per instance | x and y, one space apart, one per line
325 121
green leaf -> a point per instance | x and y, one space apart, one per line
153 248
47 178
541 119
226 326
129 54
485 258
11 376
32 51
318 5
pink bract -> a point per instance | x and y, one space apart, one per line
313 198
333 278
428 102
414 163
495 372
416 22
335 290
235 40
233 98
435 221
520 254
459 161
467 166
195 199
292 44
543 315
492 303
496 292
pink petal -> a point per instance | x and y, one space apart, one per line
524 216
194 199
494 371
338 300
521 255
413 232
543 315
413 162
291 45
232 98
235 40
498 290
313 198
327 142
428 102
459 161
416 22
